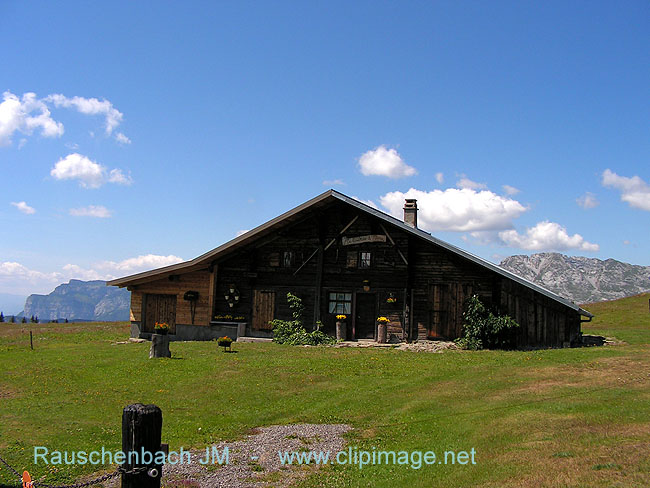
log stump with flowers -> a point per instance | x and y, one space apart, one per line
160 341
341 329
225 342
382 324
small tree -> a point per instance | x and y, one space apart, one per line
483 328
24 320
66 321
12 320
2 317
293 332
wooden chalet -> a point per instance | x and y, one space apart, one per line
342 256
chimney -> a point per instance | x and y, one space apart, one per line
411 212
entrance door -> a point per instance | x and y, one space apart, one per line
365 315
263 310
446 309
160 308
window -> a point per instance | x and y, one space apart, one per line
340 303
364 259
288 259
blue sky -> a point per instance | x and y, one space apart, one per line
136 134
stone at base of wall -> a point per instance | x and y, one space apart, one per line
195 332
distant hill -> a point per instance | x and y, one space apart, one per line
581 279
80 300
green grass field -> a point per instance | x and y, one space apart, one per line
562 417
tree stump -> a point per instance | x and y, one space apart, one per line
381 332
341 331
159 346
141 432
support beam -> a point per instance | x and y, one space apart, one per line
394 245
328 245
319 284
212 294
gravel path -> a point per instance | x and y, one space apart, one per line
254 462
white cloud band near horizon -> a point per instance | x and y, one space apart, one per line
15 278
546 236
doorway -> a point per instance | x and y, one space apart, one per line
365 311
159 308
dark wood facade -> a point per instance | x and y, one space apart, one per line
339 255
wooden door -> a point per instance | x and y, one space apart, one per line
365 311
446 305
263 309
160 308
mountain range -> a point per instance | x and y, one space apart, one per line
581 279
81 300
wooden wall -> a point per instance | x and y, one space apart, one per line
197 281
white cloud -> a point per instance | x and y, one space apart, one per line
546 236
92 106
465 182
336 182
89 173
382 161
25 115
24 208
122 139
634 190
97 211
109 270
370 203
587 201
461 210
440 178
116 176
18 279
510 190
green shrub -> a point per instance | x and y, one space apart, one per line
293 332
483 328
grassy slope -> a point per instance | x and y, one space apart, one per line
572 417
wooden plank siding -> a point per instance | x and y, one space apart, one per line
196 281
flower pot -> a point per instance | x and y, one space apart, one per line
341 331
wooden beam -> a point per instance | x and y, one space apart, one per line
328 245
394 245
212 294
319 285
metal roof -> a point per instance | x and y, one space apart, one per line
265 228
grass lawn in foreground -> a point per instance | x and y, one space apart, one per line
560 417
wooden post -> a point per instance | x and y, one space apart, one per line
141 432
31 341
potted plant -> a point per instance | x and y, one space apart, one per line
382 323
391 300
161 328
340 327
224 342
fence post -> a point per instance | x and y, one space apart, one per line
141 432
